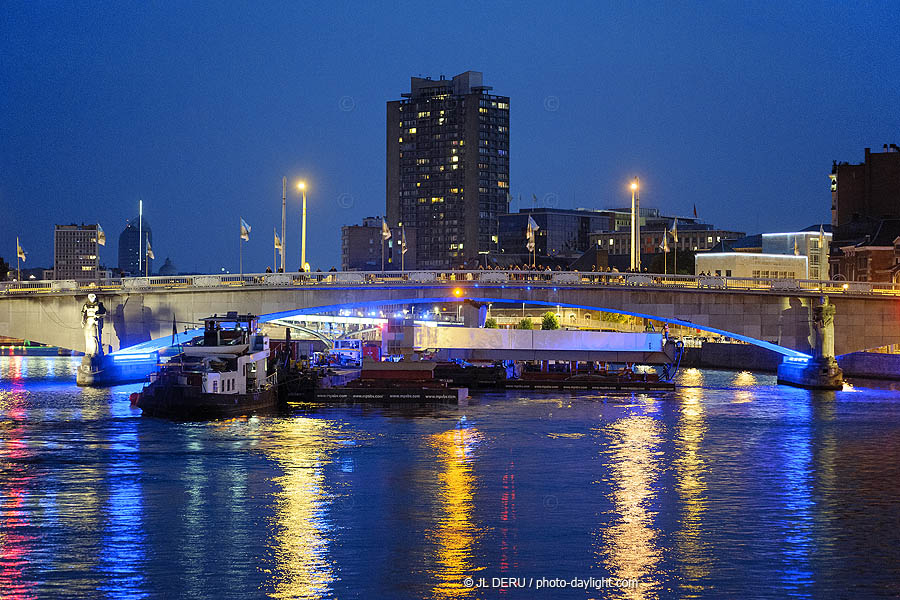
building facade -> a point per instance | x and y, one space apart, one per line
757 266
870 189
813 243
448 167
874 258
361 247
651 238
76 252
132 249
561 232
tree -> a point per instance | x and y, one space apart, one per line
550 321
525 324
490 323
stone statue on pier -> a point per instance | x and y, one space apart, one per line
92 313
823 328
821 371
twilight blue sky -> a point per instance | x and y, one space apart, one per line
200 108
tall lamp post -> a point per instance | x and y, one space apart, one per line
635 226
303 265
283 214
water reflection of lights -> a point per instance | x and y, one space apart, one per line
630 542
124 540
16 544
454 534
690 483
692 377
796 478
508 538
745 379
302 447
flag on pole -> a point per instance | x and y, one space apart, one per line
796 248
19 252
277 241
665 244
245 231
695 211
403 240
385 231
529 233
674 231
821 236
101 235
149 250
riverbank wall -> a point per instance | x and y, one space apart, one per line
746 357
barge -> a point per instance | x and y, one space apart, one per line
221 374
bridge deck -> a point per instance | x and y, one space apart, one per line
451 278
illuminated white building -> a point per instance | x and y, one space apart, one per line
790 255
755 265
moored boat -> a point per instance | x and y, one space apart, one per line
223 373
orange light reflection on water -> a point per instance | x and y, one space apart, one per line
454 534
690 483
302 447
630 543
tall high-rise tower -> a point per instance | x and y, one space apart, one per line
131 247
448 167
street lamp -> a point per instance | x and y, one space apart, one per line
301 186
635 226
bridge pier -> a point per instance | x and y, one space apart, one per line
821 371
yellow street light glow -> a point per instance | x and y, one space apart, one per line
458 292
301 185
633 185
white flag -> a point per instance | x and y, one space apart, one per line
277 241
385 231
675 231
529 234
19 252
245 231
796 248
403 240
149 250
665 244
101 235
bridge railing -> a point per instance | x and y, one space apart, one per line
436 277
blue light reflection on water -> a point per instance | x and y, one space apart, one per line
727 485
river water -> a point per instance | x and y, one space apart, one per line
730 486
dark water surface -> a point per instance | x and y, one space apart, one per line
730 487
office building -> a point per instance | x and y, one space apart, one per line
448 167
561 232
133 247
76 253
361 247
693 235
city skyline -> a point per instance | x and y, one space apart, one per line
202 117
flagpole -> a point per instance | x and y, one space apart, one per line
382 254
18 267
283 204
241 255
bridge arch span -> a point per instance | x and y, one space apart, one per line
452 298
